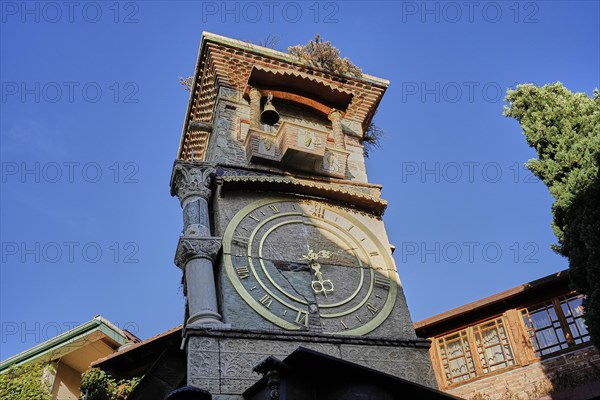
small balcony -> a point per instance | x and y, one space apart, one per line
297 146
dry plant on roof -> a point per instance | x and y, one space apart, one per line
324 55
321 54
371 139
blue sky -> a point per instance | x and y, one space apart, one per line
91 115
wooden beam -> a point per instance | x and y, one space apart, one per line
284 95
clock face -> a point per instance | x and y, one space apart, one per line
303 264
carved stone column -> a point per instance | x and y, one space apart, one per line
196 257
190 182
197 250
255 97
335 116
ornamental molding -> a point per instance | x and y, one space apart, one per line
189 248
360 197
294 337
192 179
302 75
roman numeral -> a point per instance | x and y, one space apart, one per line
302 318
318 211
374 253
372 308
350 228
266 300
254 218
241 240
382 282
242 272
344 326
358 318
274 208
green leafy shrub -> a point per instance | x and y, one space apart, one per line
98 385
25 382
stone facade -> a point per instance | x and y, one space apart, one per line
222 361
535 380
226 142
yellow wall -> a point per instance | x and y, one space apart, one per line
66 383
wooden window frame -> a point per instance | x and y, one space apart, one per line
564 326
469 333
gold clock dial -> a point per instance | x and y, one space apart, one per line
303 264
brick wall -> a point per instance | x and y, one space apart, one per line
537 379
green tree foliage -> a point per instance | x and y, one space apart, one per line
25 382
324 55
564 129
98 385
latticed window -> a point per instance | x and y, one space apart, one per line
457 359
544 329
556 324
573 311
475 351
492 346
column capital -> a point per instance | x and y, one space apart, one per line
255 93
189 248
192 179
335 115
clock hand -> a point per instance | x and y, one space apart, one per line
317 268
320 285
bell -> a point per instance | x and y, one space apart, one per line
269 116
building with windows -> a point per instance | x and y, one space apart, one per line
526 342
67 355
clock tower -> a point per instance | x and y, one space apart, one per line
283 244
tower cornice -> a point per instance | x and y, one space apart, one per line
225 62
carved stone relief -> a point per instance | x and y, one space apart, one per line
232 359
